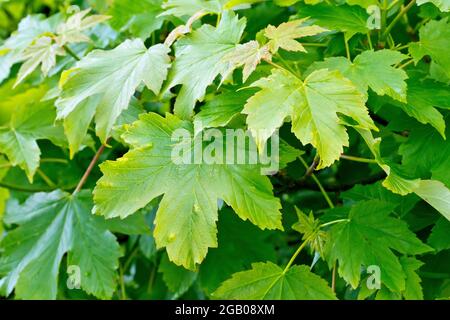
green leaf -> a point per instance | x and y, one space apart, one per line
285 34
177 279
313 105
236 250
140 18
310 228
180 8
369 237
372 69
443 5
348 19
186 218
51 225
436 194
102 84
30 121
4 196
434 41
222 109
268 281
413 288
440 235
199 60
423 97
41 52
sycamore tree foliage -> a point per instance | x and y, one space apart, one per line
357 90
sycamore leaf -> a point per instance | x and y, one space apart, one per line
345 18
236 250
268 281
186 219
313 105
198 60
51 225
369 237
413 288
436 194
140 18
310 228
102 84
42 52
248 55
440 235
30 121
285 34
422 98
181 8
372 69
220 110
177 279
434 41
29 29
443 5
71 30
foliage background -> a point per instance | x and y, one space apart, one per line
400 73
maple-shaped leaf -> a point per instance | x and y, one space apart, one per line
41 52
369 237
422 99
440 235
310 228
29 29
71 30
102 84
434 41
248 55
199 60
139 18
285 34
186 219
267 281
30 120
443 5
374 69
221 109
313 105
345 18
398 181
236 250
51 225
180 8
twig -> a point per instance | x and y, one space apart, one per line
89 169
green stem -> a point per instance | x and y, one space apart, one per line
357 159
297 252
407 63
46 179
23 189
70 52
123 293
282 68
347 49
369 41
321 188
398 17
310 44
333 222
54 160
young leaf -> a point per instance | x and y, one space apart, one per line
186 218
285 34
51 225
268 281
313 105
199 60
310 228
103 82
369 237
372 69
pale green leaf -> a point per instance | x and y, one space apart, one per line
313 105
443 5
186 219
103 82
